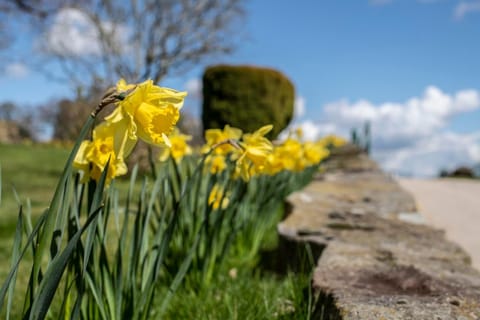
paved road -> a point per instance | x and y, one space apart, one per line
452 205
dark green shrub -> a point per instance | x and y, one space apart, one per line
247 98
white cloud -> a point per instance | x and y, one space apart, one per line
16 70
408 137
398 124
312 131
72 33
426 157
464 8
299 107
194 88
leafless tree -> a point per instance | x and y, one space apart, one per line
92 43
21 122
22 13
39 8
7 110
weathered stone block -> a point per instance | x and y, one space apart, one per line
378 260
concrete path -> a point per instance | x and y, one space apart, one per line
452 205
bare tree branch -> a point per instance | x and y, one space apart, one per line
97 41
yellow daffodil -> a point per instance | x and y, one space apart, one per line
220 141
81 162
314 153
256 146
331 141
292 153
295 156
179 147
275 163
93 156
217 198
216 163
285 156
215 137
151 112
256 149
280 160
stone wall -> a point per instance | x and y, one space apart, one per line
376 258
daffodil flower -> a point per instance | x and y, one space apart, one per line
179 147
217 198
256 149
148 112
331 141
314 153
93 155
215 137
289 153
216 163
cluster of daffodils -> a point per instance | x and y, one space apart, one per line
145 111
249 151
332 141
252 153
293 154
149 112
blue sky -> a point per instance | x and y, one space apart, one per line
387 52
411 67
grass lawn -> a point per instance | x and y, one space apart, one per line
236 293
33 171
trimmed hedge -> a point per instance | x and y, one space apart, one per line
247 98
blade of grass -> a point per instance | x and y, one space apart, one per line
181 273
119 256
64 308
145 227
45 236
17 244
96 296
6 284
96 201
51 279
0 185
61 221
109 294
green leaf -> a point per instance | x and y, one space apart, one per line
109 293
54 273
15 195
45 236
10 275
144 230
28 217
182 271
96 296
96 202
62 217
0 185
17 244
64 309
